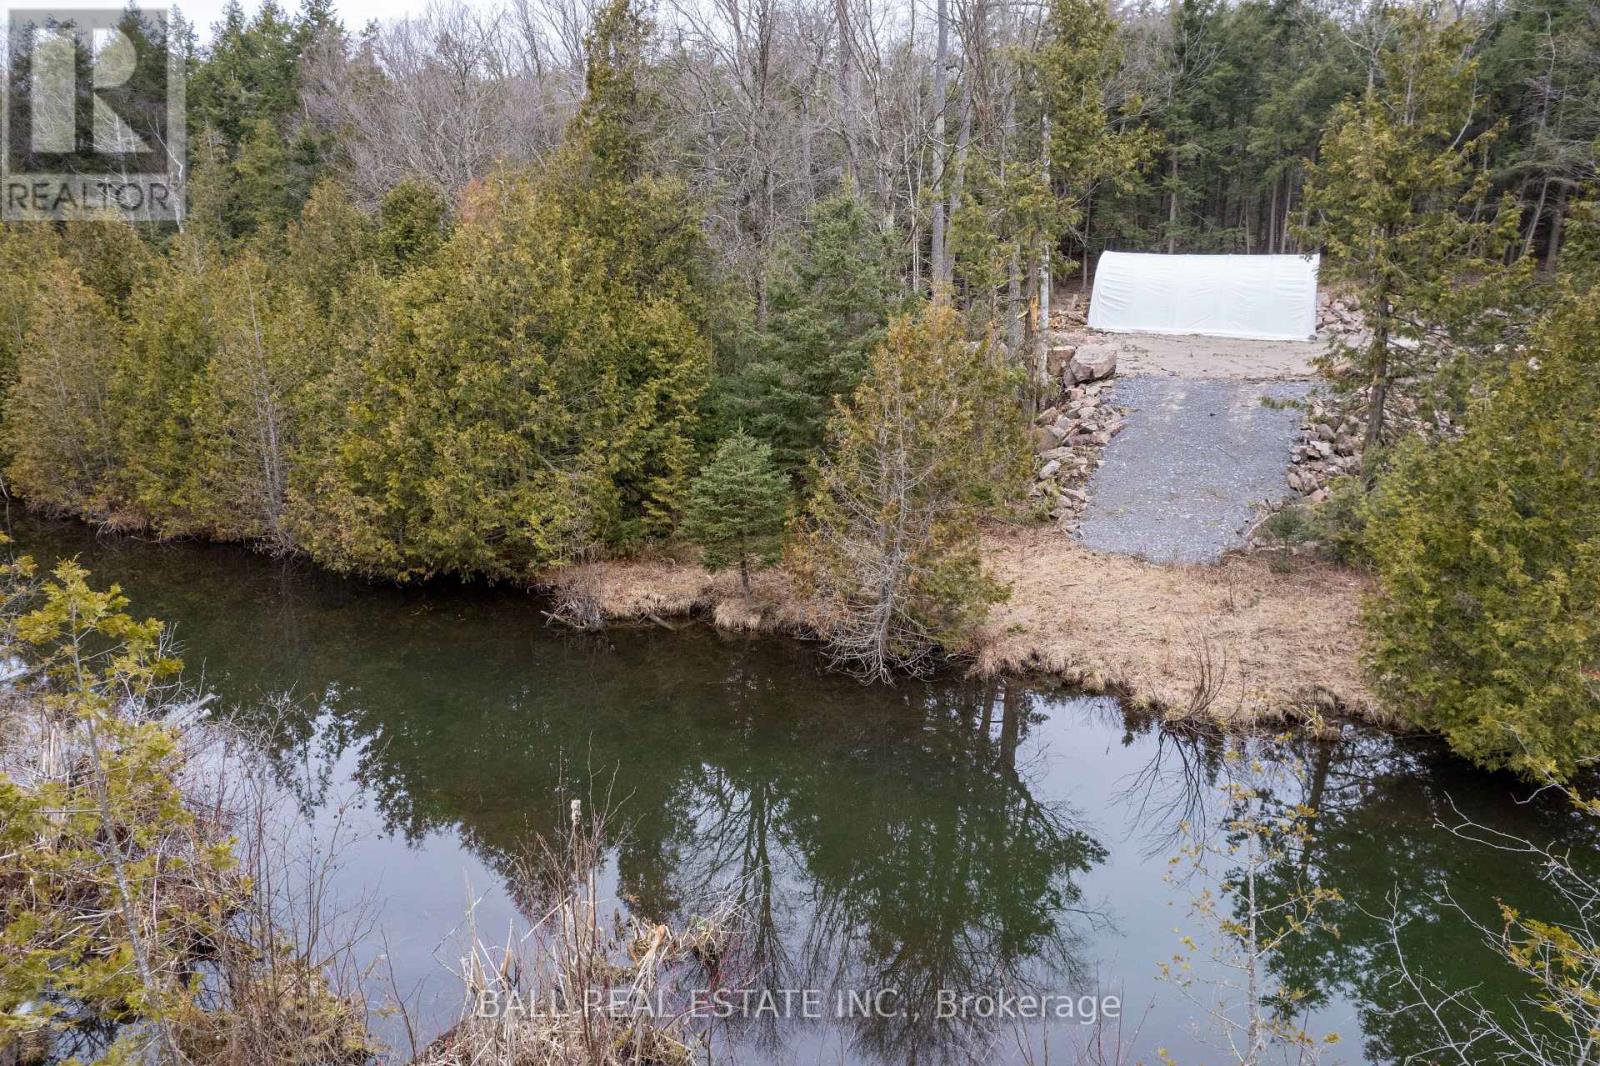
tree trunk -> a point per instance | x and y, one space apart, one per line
1172 207
940 92
1533 222
1558 216
948 267
1083 267
1041 336
1016 312
1011 711
847 87
1378 391
1272 216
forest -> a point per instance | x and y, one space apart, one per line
495 290
482 321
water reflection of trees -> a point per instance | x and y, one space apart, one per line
1375 840
878 834
879 837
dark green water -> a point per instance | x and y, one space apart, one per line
929 835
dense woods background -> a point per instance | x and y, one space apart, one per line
479 292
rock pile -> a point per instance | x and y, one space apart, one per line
1338 318
1329 447
1068 435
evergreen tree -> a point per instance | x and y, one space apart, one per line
737 507
249 404
1541 70
24 250
830 303
170 339
1081 146
1487 551
532 392
1398 201
249 74
331 241
59 419
244 98
931 442
110 256
261 197
1236 96
413 219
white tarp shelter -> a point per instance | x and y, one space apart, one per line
1270 297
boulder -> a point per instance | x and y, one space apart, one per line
1049 469
1093 362
1058 359
1043 438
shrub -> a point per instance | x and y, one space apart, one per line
1487 552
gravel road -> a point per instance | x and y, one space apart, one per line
1179 483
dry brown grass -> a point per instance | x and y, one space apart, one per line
1235 642
631 590
584 986
1241 641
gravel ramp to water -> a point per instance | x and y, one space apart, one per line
1180 482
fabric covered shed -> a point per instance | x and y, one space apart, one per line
1270 297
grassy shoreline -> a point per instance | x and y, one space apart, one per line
1249 640
1245 641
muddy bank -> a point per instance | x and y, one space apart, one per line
1237 642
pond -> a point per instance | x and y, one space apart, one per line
938 834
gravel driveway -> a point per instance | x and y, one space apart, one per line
1179 483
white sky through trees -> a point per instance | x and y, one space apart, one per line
353 13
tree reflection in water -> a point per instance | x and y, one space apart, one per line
882 836
1376 840
878 838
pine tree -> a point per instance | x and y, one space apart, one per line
1080 147
1398 200
738 507
1487 552
931 442
831 300
251 73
